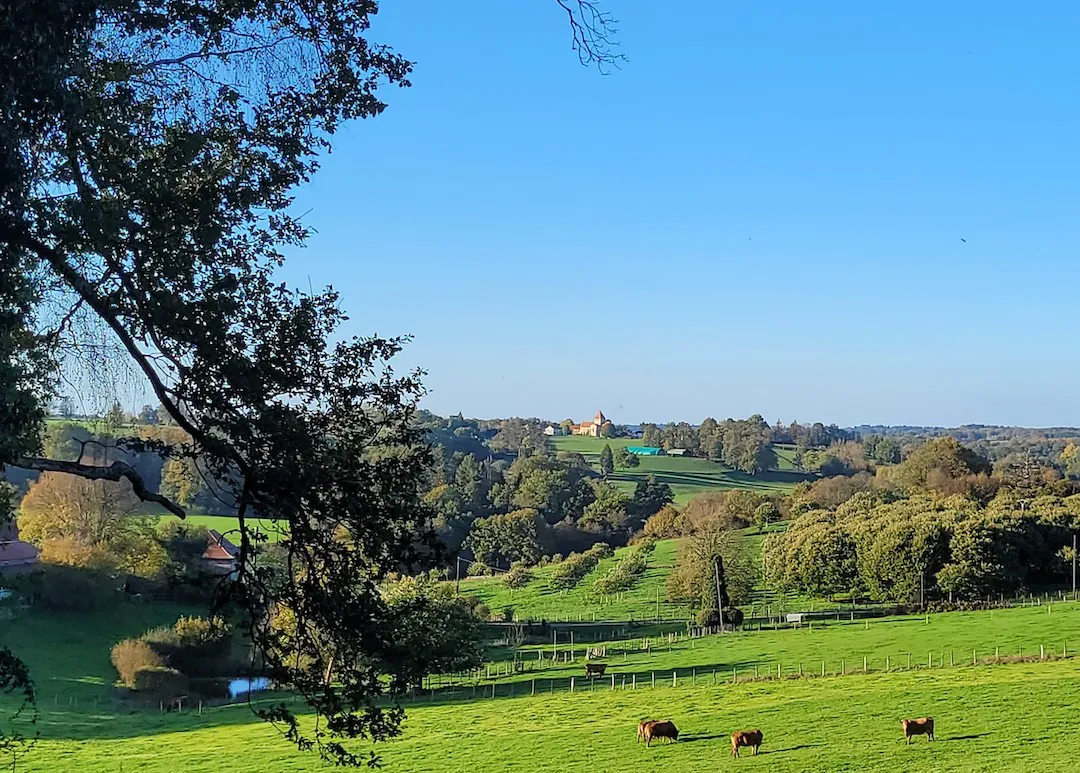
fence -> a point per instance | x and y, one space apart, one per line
714 677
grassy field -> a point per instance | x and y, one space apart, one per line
1017 717
687 476
537 602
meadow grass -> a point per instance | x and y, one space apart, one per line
838 646
687 476
1016 717
988 718
536 601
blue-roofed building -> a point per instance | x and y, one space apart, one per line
645 450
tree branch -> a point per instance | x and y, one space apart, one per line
593 31
116 471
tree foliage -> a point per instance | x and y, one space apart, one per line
147 156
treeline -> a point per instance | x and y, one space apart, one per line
943 524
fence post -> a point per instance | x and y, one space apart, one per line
571 685
1064 651
951 663
734 674
757 674
930 660
800 670
823 668
533 691
997 652
633 682
1042 652
909 661
492 690
864 664
974 660
674 678
654 679
887 664
613 681
843 668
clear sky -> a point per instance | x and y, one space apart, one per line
765 210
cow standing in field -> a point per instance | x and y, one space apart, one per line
595 669
663 729
750 738
641 728
924 726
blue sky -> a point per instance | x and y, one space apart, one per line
762 211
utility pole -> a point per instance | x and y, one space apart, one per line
718 564
1074 566
457 578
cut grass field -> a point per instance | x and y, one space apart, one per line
687 476
1018 717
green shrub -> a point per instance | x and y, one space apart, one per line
160 682
624 574
601 550
59 588
572 571
131 655
518 576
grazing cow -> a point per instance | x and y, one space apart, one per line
750 738
641 728
924 726
665 729
595 669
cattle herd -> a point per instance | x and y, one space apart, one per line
656 729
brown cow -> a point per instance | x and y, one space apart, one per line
665 729
751 738
924 726
641 728
595 669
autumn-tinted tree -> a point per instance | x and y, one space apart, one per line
148 154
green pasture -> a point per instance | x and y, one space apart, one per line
536 601
1013 717
687 476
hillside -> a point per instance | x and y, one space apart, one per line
687 476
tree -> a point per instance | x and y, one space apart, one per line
625 460
147 162
607 461
148 415
766 513
651 435
607 512
695 577
115 416
1070 459
500 540
434 631
650 496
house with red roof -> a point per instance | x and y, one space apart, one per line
221 557
15 555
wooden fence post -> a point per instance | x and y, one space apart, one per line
633 682
654 679
823 668
843 667
887 663
533 691
613 681
864 664
674 678
571 685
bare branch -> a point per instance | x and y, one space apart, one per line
593 33
116 471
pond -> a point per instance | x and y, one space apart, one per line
245 685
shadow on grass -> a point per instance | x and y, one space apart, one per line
787 749
972 737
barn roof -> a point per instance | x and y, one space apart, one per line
219 548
